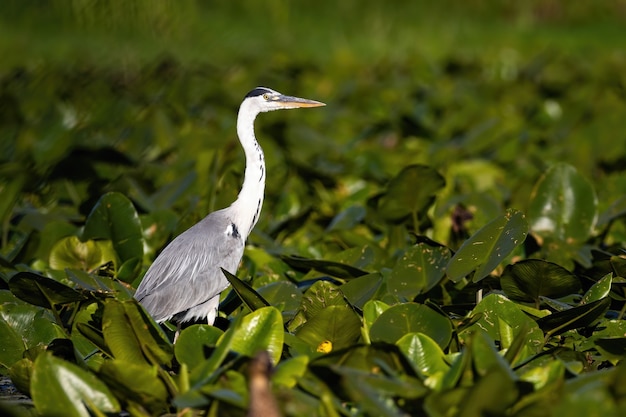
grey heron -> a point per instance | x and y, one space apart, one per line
185 281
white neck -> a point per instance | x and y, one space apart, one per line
250 199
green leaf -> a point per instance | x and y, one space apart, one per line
488 247
132 335
135 382
289 371
114 218
260 330
283 295
402 319
426 356
599 290
321 295
60 388
71 253
419 269
360 290
371 311
563 205
42 291
246 293
410 192
11 345
530 279
337 325
573 318
192 343
504 321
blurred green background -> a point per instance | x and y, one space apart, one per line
141 97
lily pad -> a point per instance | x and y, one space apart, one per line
488 247
530 279
402 319
563 205
60 388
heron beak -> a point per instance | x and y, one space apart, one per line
290 102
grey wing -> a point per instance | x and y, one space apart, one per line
187 272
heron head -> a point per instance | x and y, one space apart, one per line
266 99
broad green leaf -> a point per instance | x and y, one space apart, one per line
332 328
192 342
21 373
426 356
360 290
320 296
11 345
410 192
542 376
246 293
136 383
60 388
283 295
132 335
504 321
419 269
599 290
71 253
289 371
402 319
530 279
574 318
563 205
260 330
42 291
114 218
371 311
488 247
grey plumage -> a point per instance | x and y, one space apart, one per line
185 281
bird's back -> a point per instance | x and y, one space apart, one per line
185 280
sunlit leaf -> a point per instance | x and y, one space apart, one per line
563 205
132 335
504 321
426 356
488 247
260 330
71 253
336 324
192 342
60 388
402 319
599 290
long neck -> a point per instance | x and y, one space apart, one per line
250 199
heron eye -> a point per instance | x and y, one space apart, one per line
266 96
